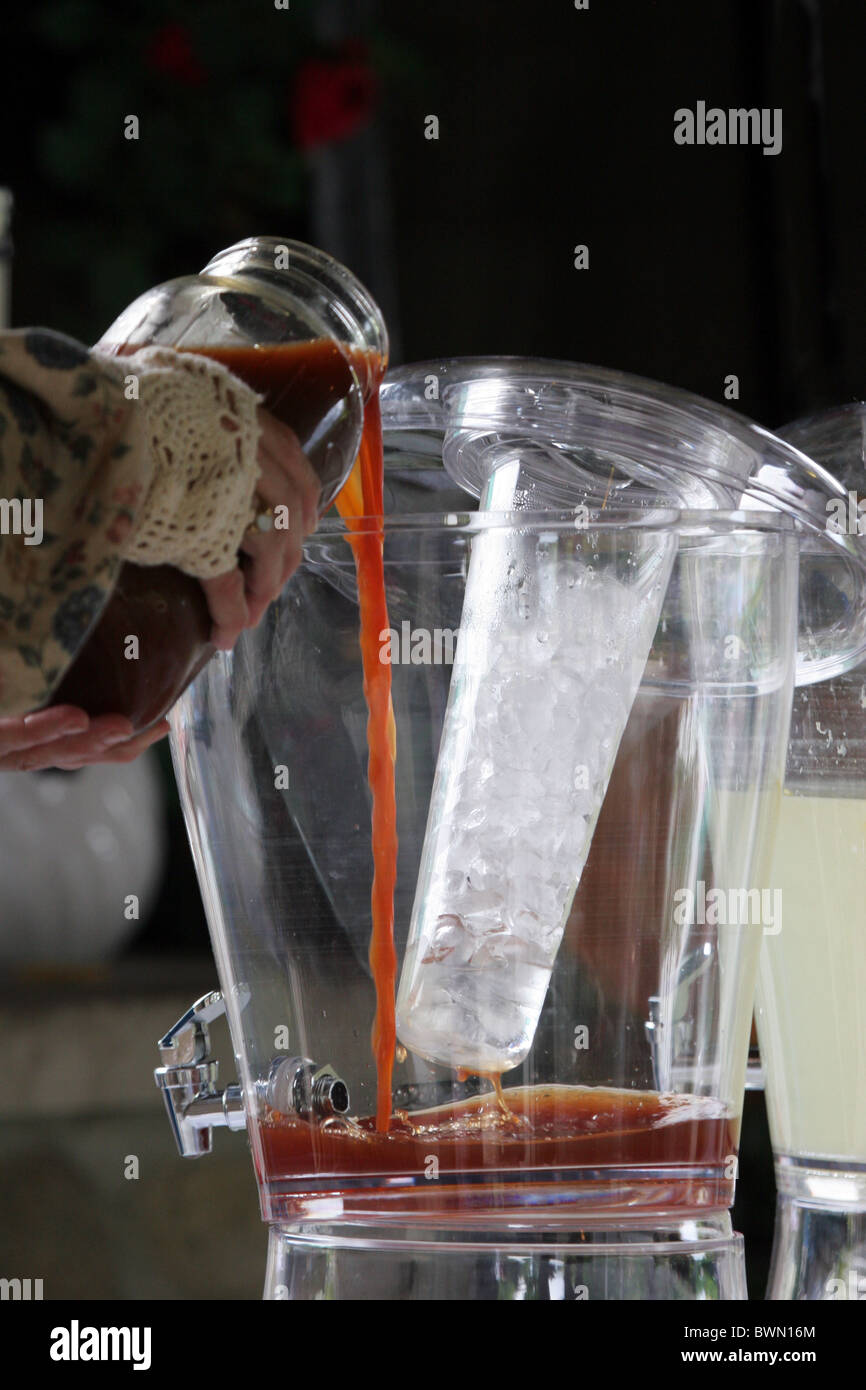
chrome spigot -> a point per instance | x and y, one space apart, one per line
297 1086
188 1080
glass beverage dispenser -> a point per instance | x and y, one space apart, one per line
591 679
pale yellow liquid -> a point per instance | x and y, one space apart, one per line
812 981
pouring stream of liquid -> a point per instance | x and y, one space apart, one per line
362 496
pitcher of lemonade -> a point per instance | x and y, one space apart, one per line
812 982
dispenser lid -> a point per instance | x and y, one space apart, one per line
609 439
835 439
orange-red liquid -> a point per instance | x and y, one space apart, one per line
300 382
363 496
547 1129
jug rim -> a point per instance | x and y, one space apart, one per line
346 306
694 520
821 654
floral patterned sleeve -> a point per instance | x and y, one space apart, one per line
70 483
89 477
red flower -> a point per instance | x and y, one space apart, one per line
170 51
332 99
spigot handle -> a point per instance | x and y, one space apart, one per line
188 1080
191 1027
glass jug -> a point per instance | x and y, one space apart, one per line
304 333
812 984
601 1160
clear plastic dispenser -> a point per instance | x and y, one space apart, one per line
595 624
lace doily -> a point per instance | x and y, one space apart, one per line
199 424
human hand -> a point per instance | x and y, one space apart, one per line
63 736
239 598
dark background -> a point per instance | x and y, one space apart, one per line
556 129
